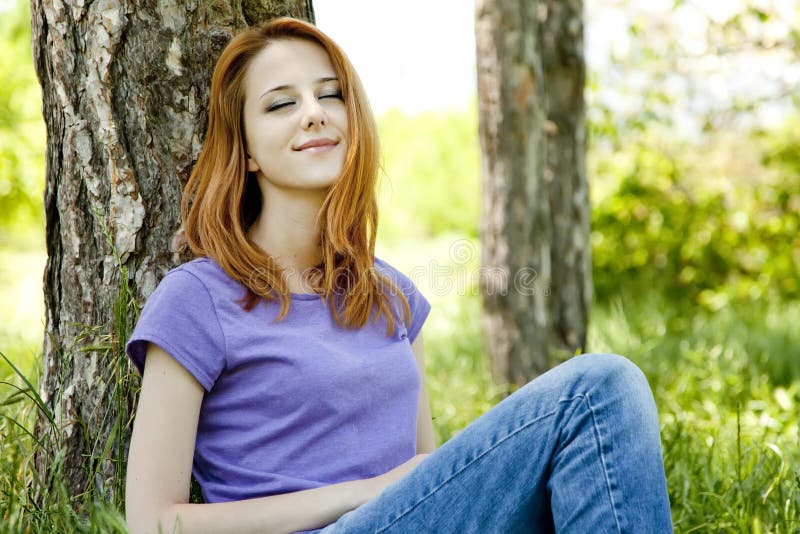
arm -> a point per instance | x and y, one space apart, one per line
426 442
160 463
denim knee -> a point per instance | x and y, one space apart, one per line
611 376
602 368
612 371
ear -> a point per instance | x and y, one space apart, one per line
252 164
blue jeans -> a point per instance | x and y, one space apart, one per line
575 450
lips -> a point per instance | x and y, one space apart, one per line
324 141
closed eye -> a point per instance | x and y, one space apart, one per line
279 105
334 95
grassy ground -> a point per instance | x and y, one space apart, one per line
725 383
21 316
728 406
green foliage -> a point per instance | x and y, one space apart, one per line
685 219
22 132
432 165
21 319
695 223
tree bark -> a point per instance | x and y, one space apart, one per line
565 172
125 92
536 277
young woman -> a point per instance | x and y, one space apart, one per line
285 369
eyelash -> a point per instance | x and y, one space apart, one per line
281 105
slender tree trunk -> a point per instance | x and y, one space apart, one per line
536 281
125 92
565 172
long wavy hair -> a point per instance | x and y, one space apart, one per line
222 199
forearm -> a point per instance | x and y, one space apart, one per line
289 512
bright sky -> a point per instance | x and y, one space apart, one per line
420 54
414 54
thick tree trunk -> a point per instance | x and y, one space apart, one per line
536 281
125 90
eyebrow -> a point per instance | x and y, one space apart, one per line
281 87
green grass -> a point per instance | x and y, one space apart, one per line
727 390
22 315
726 385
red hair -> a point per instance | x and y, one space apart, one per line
222 199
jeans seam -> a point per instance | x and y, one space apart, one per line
603 462
484 453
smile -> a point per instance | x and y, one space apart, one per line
316 149
317 143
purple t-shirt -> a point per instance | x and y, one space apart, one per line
291 405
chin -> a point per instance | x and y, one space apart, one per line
323 183
325 180
289 180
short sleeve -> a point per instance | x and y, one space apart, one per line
180 318
417 303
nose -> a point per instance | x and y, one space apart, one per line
313 113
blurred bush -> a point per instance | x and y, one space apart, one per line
22 130
432 174
709 223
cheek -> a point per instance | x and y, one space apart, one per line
267 136
340 116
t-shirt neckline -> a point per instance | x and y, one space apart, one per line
305 296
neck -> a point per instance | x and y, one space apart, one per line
286 228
